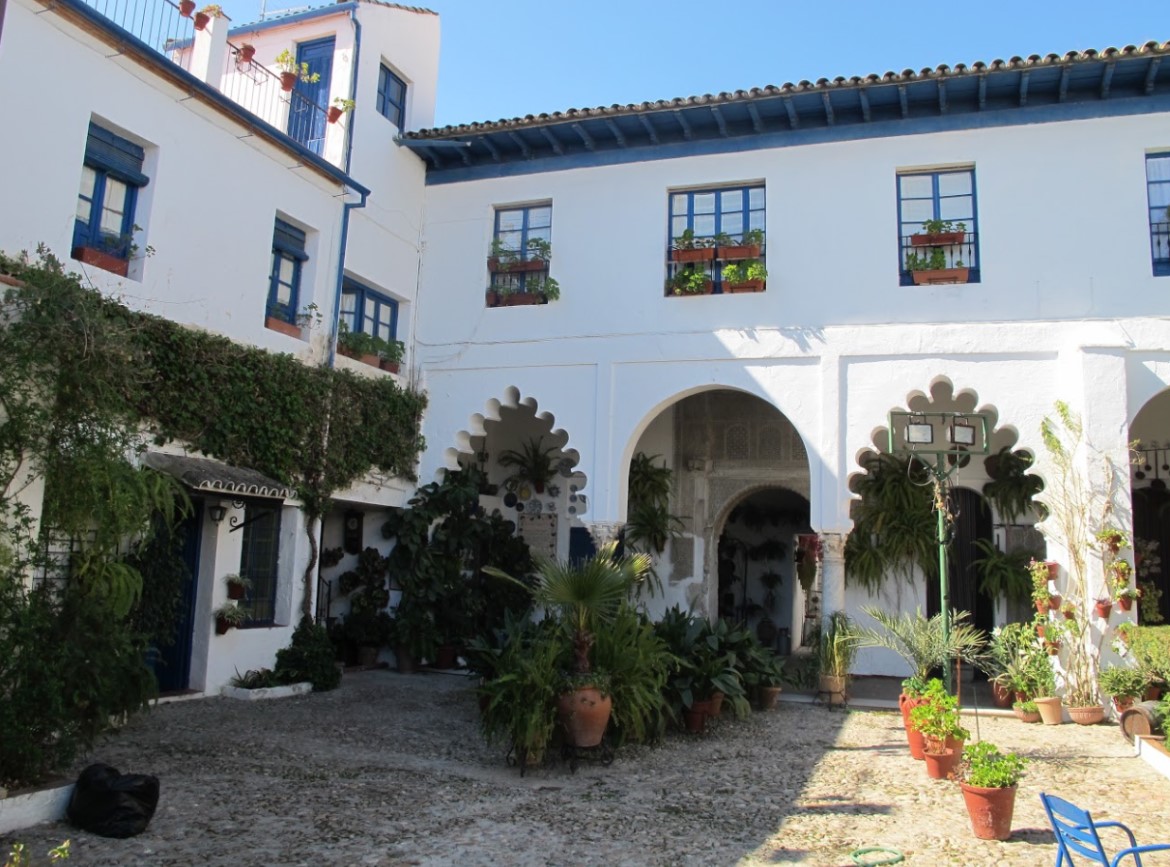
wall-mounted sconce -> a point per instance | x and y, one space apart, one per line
216 513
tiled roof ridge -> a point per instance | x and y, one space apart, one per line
804 86
421 10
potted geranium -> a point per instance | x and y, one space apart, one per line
746 276
988 779
748 246
689 281
939 233
937 720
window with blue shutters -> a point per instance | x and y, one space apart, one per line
111 176
938 228
392 97
365 311
284 283
1158 193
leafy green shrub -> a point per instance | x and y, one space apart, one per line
1150 646
309 657
984 765
638 664
521 700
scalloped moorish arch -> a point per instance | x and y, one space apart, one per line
941 396
548 516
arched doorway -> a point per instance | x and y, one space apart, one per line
719 445
757 583
972 524
1150 490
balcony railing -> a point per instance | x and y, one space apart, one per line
1160 247
259 90
155 23
161 27
952 257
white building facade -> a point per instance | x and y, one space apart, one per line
263 213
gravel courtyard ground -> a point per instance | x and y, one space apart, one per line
391 770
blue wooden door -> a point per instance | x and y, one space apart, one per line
310 99
172 665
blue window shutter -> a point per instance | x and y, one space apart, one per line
289 239
121 158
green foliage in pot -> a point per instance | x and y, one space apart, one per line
1122 681
231 614
359 343
937 717
638 663
649 521
1003 574
584 595
308 657
919 639
689 281
984 765
286 61
521 698
255 678
1011 488
1016 660
745 271
1150 648
532 462
688 241
942 227
1026 706
837 649
894 524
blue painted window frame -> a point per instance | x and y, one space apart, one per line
288 248
109 156
260 560
683 215
1158 201
936 198
531 228
365 315
390 108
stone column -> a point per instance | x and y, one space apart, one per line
832 573
210 51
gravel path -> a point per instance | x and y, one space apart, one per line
391 770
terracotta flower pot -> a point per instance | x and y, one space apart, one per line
990 810
1032 716
221 626
288 81
1122 703
1124 603
694 720
202 19
769 695
1049 707
716 704
1103 609
584 714
186 8
235 591
917 743
1087 716
833 687
1054 602
332 114
1041 606
940 764
247 52
1001 695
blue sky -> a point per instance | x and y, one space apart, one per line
508 58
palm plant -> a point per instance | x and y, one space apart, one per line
533 462
584 594
919 639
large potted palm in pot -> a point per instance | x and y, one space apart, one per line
584 595
835 654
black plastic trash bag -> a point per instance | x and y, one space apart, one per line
110 804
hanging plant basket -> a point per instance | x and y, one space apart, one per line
1124 603
288 80
202 19
247 52
333 114
186 8
1103 609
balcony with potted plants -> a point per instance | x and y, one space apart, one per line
943 252
721 264
520 277
369 349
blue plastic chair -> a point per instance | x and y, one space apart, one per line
1077 832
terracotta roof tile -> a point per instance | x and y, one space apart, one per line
907 75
